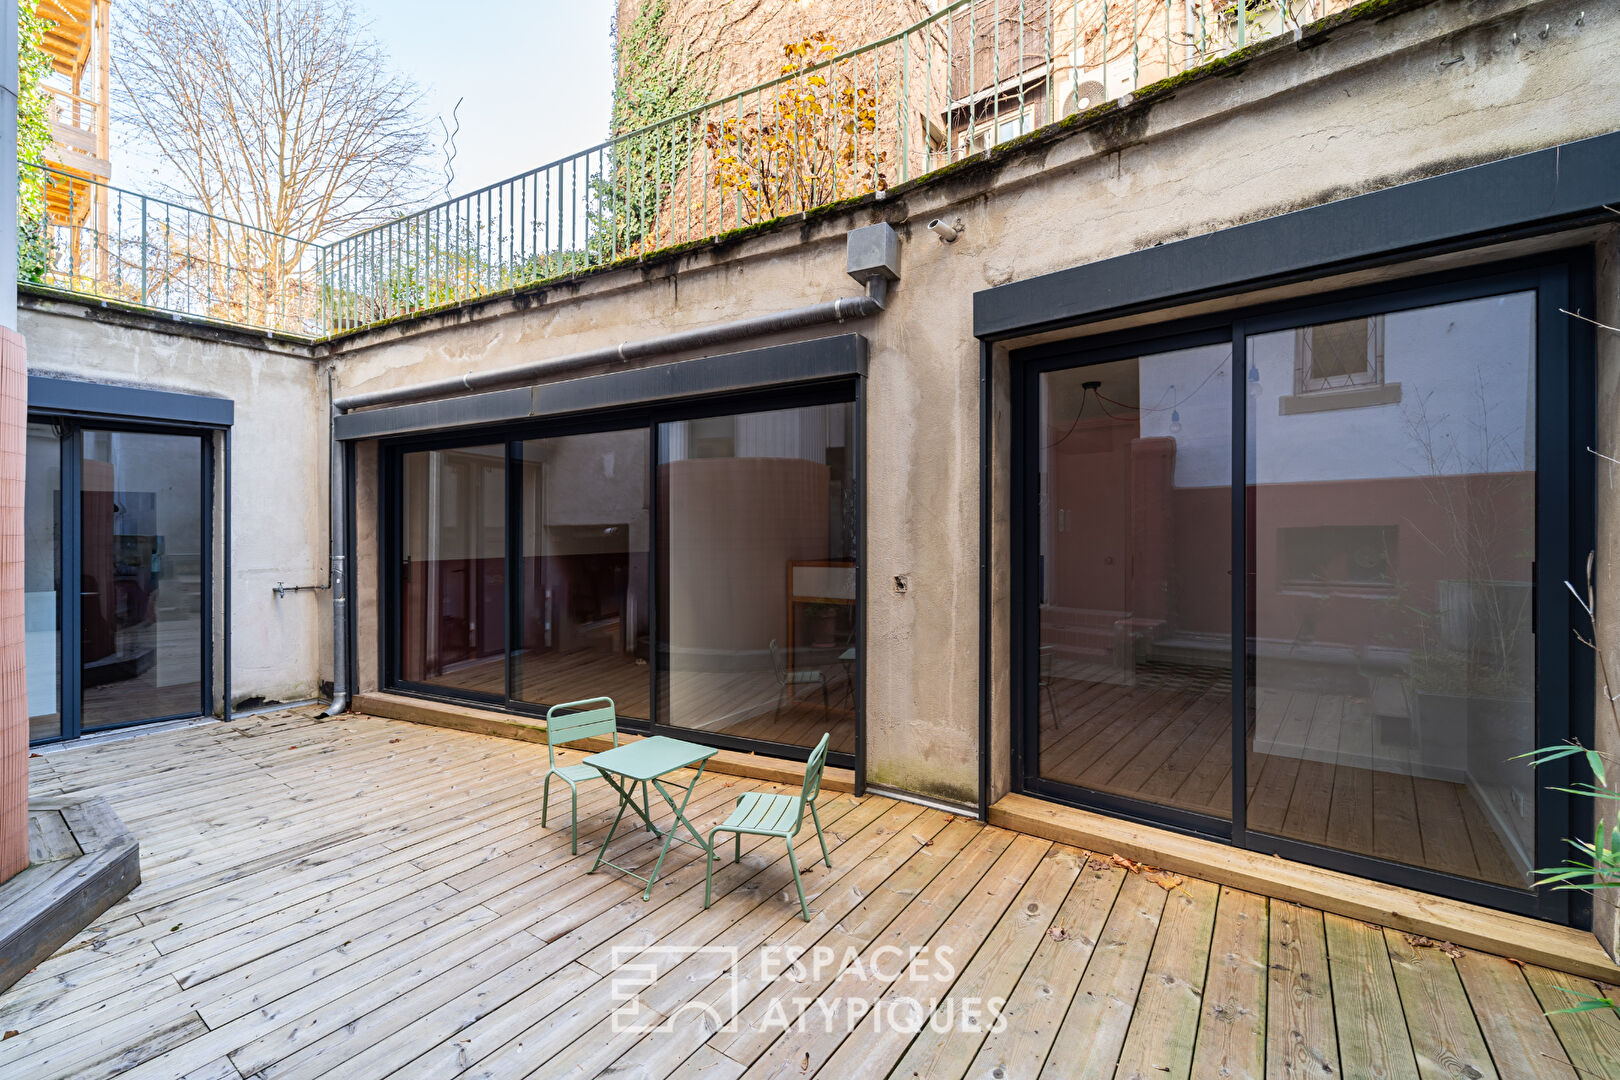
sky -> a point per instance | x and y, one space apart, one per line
534 78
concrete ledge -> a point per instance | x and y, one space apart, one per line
82 861
508 726
1514 936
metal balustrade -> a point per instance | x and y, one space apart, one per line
832 126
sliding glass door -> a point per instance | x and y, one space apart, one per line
453 569
1339 531
125 515
757 542
697 565
1135 630
584 542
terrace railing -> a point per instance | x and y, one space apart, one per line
93 239
831 126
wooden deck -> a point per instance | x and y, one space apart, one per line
368 898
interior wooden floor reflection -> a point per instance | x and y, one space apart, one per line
1168 740
741 704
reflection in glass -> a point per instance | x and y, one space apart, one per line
1133 683
584 542
453 577
42 582
757 571
142 587
1394 537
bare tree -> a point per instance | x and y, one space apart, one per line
283 114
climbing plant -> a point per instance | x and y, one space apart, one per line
33 137
656 82
814 142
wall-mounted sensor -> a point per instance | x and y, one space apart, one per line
947 233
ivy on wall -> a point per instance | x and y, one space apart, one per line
33 138
655 83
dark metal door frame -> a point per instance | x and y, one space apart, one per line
1564 533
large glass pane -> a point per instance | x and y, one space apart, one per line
584 541
1133 686
757 570
453 581
142 587
42 581
1394 492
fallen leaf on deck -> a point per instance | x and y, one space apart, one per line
804 1066
922 842
1165 880
1418 941
12 1034
1058 933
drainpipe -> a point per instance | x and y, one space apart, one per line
872 257
339 579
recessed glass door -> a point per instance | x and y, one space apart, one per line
1133 674
584 537
123 517
1343 657
757 544
141 572
453 569
1394 492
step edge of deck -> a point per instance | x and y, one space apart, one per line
1518 937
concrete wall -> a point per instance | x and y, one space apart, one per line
1377 102
280 648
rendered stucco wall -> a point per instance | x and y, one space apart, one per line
1379 102
280 648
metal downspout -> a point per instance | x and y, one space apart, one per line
339 578
828 311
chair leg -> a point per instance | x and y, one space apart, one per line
797 883
826 709
545 801
780 691
815 817
738 857
708 874
573 824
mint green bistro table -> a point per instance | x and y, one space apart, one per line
646 763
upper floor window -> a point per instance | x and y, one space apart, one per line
1339 365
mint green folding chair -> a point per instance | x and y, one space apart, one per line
761 813
567 723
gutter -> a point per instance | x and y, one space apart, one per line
872 257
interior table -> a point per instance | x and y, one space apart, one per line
646 763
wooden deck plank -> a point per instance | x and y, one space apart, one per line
1373 1040
1164 1025
1092 1034
1300 1040
1232 1027
1445 1035
1521 1039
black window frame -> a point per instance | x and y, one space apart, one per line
71 426
842 389
1565 533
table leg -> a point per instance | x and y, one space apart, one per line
627 798
680 819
